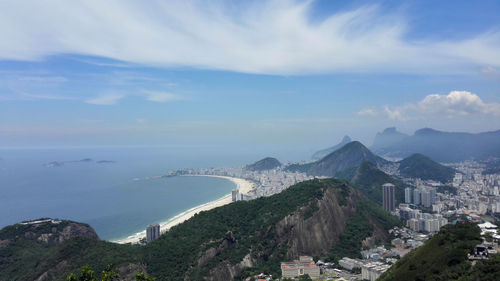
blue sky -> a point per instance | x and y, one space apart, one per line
254 74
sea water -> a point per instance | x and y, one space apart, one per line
118 198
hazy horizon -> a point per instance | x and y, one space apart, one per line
244 75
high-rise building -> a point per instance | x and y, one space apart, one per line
433 195
235 195
152 232
426 198
388 196
408 195
416 196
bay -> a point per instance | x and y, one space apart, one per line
117 198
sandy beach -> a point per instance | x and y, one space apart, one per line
243 186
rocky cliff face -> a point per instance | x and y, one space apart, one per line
311 230
226 243
315 235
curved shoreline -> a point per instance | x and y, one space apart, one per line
242 185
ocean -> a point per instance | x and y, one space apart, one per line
117 198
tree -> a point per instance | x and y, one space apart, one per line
143 277
305 277
87 274
108 274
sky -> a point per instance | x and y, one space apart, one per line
263 75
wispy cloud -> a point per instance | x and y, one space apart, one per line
47 79
161 96
105 99
23 96
455 104
490 72
272 37
43 97
153 96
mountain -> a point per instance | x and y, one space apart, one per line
445 146
444 257
267 163
368 179
325 218
420 166
388 137
341 162
28 245
324 152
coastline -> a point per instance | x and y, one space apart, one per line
242 185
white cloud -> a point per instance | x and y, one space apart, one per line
490 72
105 100
273 37
368 112
161 96
455 104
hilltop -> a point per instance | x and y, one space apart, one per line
341 162
387 138
420 166
267 163
444 257
327 218
368 179
324 152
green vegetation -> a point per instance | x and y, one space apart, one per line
87 274
267 163
443 257
359 227
324 152
484 270
340 162
492 167
420 166
368 179
305 277
491 171
447 188
194 248
243 225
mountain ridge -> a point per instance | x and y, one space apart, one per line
239 239
342 161
421 166
444 146
324 152
264 164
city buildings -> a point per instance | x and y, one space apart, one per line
388 196
408 195
152 232
349 263
416 196
371 271
304 265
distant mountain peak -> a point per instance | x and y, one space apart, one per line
426 131
390 130
341 162
346 139
387 137
324 152
267 163
439 145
